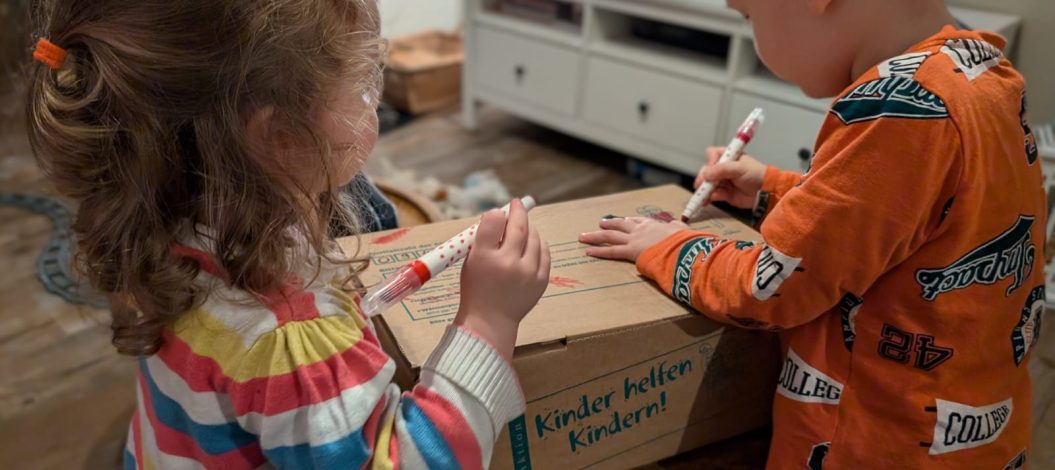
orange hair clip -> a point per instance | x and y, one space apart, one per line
49 54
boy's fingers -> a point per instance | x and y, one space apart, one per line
489 233
516 233
700 178
622 225
610 237
608 252
713 154
721 194
724 172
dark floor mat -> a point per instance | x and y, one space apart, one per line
54 268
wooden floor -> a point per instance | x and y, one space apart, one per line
65 396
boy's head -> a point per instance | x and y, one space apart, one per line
822 45
237 115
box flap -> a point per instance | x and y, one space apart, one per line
586 296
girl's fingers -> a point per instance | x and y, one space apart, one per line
489 233
544 262
531 249
516 233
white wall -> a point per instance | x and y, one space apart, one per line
402 17
1035 55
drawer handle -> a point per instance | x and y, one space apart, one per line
642 110
520 71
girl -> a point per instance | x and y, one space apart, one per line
203 141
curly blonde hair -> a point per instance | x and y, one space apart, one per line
144 128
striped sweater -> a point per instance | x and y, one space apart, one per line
299 380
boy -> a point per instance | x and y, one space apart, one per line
903 271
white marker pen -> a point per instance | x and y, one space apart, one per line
732 154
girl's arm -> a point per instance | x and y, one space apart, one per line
319 394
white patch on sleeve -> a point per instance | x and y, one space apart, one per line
903 65
973 57
771 270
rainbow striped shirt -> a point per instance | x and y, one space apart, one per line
299 380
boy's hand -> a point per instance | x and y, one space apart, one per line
625 239
738 182
504 275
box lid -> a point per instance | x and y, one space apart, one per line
586 296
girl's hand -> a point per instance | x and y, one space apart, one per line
738 182
504 275
625 239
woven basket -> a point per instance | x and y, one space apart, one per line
413 208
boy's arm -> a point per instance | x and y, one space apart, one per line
775 185
318 394
877 192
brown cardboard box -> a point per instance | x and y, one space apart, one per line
615 373
424 72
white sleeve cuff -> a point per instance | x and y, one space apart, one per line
472 364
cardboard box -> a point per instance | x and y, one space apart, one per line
615 373
424 72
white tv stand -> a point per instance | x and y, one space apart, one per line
595 80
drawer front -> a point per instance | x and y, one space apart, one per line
531 71
677 113
787 138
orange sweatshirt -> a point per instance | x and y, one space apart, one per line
904 271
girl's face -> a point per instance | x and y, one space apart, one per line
348 124
349 121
